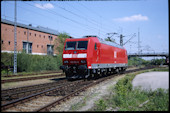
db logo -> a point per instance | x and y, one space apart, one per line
74 55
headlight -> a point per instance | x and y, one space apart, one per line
65 61
83 61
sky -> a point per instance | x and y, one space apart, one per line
146 21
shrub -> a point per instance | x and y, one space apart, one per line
23 62
123 86
32 63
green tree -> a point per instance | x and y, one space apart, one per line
62 37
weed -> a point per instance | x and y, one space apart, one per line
127 99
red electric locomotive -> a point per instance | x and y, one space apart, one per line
90 56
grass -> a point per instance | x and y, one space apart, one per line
161 69
124 98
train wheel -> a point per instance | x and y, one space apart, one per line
117 70
122 70
104 73
68 76
96 76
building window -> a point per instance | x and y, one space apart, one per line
6 29
24 32
30 34
42 46
9 42
37 46
50 49
50 38
2 42
44 36
39 35
29 49
35 34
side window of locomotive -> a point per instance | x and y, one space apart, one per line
95 46
70 46
82 45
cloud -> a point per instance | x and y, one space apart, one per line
138 17
45 6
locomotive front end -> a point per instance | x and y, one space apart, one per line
75 58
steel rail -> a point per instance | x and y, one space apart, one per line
27 98
19 75
29 78
16 92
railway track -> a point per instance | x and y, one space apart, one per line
46 99
8 95
30 78
19 75
46 96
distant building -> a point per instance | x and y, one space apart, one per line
34 40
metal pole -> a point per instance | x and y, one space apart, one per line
27 40
50 49
138 42
138 46
15 40
121 40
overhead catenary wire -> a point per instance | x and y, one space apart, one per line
55 13
92 11
29 22
79 24
82 27
80 16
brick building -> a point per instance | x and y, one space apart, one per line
34 40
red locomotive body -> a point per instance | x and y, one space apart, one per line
90 56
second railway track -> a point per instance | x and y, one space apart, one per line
30 78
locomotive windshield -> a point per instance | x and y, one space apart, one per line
70 46
79 45
82 45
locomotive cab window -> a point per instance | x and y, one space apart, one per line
82 45
79 45
95 46
70 45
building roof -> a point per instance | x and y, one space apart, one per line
38 28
